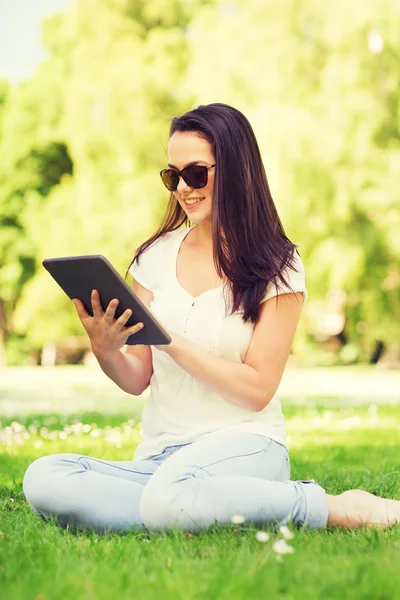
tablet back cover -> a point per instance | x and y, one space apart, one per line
79 275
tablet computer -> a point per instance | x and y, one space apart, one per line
79 275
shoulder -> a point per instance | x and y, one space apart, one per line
148 267
297 266
159 246
295 279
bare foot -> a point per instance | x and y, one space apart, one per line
358 508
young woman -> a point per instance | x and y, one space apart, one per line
229 289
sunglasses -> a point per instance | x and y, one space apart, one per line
195 176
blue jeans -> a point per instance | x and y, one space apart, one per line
189 487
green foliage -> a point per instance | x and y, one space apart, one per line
33 162
326 111
83 140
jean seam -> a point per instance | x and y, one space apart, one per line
281 469
203 467
103 462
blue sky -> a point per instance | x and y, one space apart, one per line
20 49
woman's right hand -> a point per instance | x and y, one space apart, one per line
107 334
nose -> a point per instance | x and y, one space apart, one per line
182 185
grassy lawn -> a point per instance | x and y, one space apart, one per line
342 442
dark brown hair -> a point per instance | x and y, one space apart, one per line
250 247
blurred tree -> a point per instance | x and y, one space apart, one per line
33 161
82 143
322 93
118 96
3 99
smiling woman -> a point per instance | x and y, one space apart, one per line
194 176
214 440
229 201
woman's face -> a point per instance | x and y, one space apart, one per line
183 149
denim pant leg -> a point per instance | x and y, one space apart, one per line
89 493
223 475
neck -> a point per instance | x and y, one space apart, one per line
202 236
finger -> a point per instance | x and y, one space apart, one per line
122 320
131 330
96 304
110 311
80 309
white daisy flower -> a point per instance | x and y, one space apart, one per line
238 519
286 533
262 536
282 547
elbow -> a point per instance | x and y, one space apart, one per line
138 391
260 401
142 383
136 387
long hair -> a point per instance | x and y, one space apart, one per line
250 247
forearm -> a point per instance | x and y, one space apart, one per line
234 381
125 370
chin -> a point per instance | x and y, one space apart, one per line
199 219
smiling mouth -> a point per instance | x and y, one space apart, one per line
193 201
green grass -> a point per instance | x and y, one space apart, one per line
339 444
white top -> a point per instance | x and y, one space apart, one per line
180 409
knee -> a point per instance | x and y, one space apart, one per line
163 507
153 508
40 483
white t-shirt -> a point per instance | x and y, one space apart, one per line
180 409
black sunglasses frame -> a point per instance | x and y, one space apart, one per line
182 174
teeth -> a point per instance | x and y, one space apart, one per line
193 201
